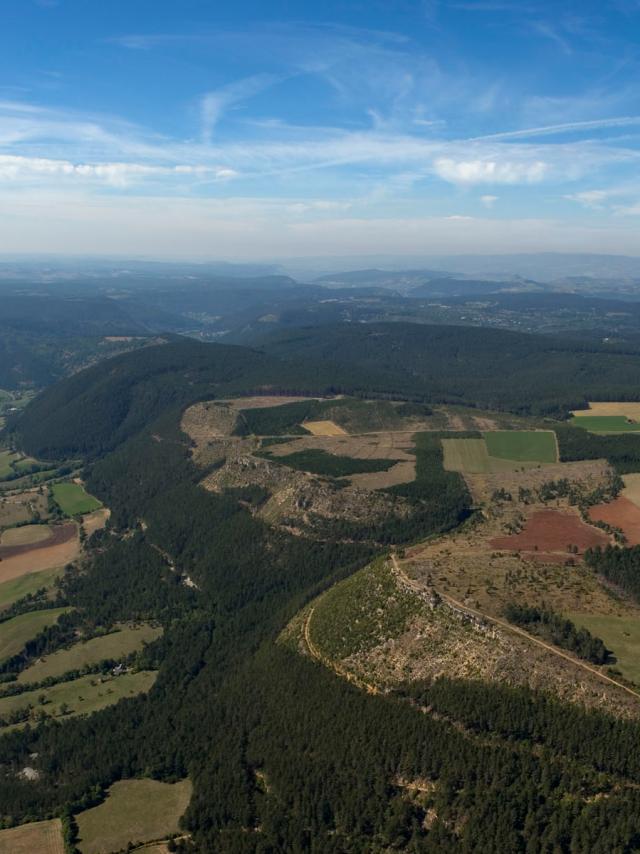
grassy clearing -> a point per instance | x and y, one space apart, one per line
134 811
17 509
537 446
621 635
39 837
323 428
11 591
466 455
6 458
25 535
73 499
630 409
78 696
361 612
16 632
320 462
606 424
115 645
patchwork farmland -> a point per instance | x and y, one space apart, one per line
500 451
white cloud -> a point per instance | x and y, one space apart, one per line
215 103
490 171
488 201
17 168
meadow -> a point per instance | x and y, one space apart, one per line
6 458
38 837
134 811
73 499
606 424
114 646
522 445
16 588
25 535
16 632
621 635
79 696
472 457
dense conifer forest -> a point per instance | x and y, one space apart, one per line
95 410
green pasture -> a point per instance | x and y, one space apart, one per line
538 446
134 811
114 646
621 635
16 588
73 499
605 424
78 696
14 633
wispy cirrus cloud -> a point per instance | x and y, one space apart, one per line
216 102
567 127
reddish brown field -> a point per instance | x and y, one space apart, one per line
622 514
549 533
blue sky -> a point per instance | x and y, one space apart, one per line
255 130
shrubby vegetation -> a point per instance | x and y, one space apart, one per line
438 501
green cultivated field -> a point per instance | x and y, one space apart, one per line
112 646
16 632
73 499
605 424
11 591
466 455
81 696
478 456
621 635
537 446
135 811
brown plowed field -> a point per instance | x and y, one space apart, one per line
621 513
61 548
549 533
59 534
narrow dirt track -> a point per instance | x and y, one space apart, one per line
314 652
418 588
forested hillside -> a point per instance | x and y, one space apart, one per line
97 409
93 411
283 754
529 374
